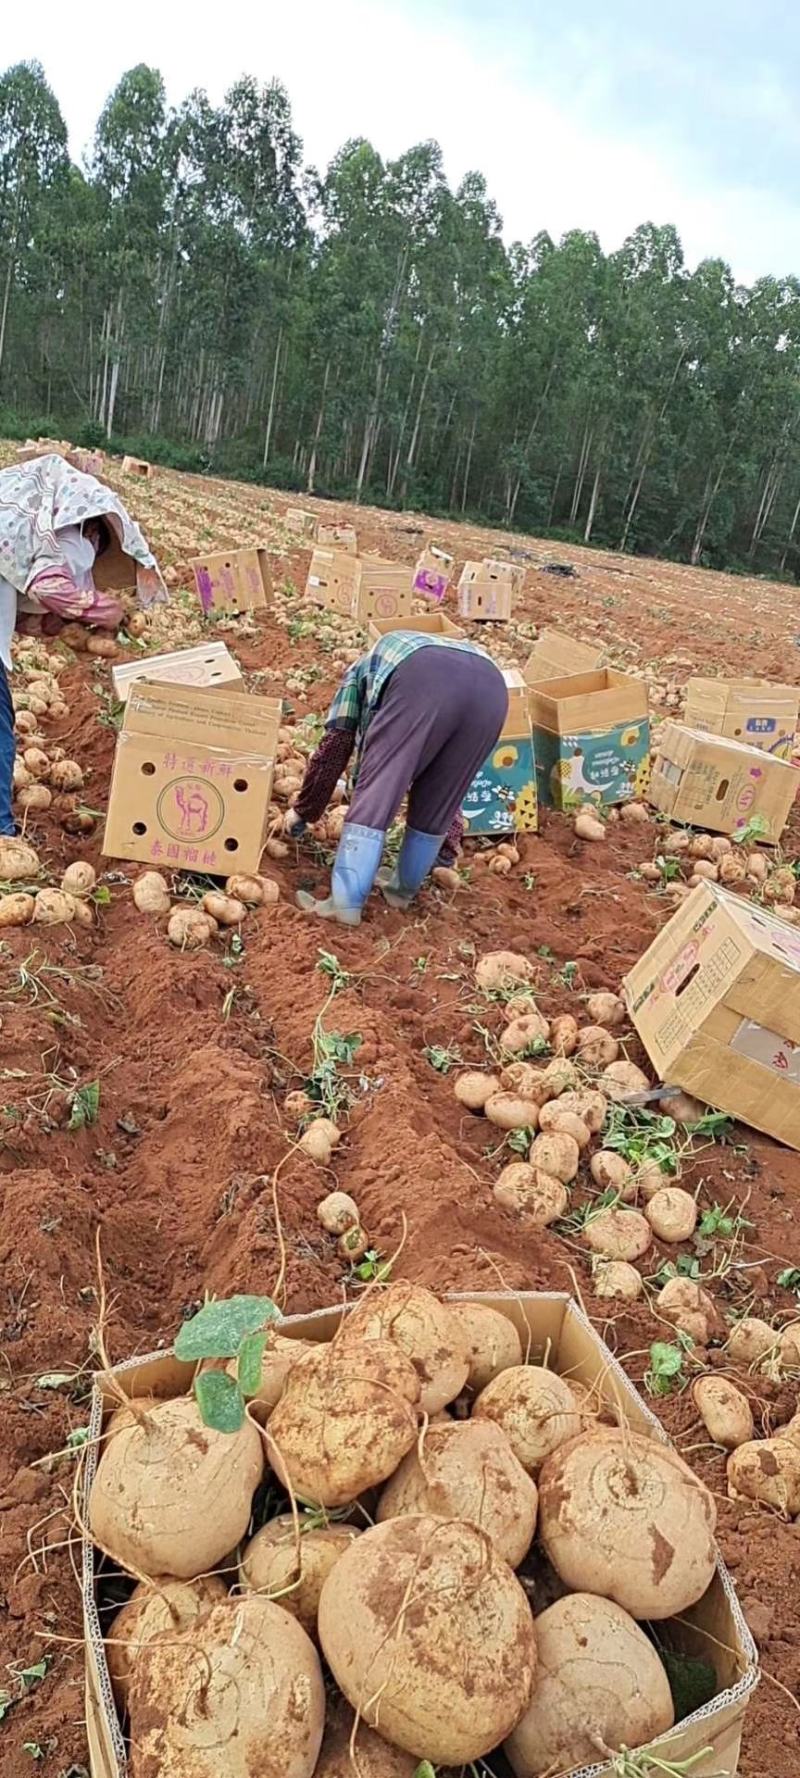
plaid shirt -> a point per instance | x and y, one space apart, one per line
364 683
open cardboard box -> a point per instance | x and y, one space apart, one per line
551 1327
426 623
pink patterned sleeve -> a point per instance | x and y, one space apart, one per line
55 591
323 772
451 844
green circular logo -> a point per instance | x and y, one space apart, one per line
190 809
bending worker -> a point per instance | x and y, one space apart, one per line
55 524
422 713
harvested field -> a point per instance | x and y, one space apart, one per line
195 1054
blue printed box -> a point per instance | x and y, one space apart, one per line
591 738
502 798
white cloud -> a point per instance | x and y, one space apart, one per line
554 157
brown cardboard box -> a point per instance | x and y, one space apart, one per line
337 537
553 1330
716 1002
332 580
515 571
502 796
210 665
485 592
299 520
384 590
433 572
710 782
138 466
557 656
591 737
192 779
233 580
753 711
427 623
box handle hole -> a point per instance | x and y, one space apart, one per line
240 784
231 845
695 970
139 827
722 789
148 769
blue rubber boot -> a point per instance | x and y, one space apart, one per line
354 870
418 855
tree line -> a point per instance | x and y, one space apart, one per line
197 293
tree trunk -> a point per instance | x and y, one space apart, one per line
468 464
644 457
595 495
511 506
583 462
312 465
271 414
790 538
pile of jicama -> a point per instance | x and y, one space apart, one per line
415 1546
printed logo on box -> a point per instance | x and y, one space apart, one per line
680 967
190 808
767 1048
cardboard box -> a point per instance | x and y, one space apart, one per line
558 656
232 581
332 580
716 1002
752 711
209 665
515 571
192 779
138 466
485 592
591 738
360 587
718 784
433 572
428 623
553 1330
502 798
338 537
299 520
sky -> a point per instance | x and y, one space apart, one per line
594 114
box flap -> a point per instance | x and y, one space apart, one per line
583 702
210 664
234 721
556 655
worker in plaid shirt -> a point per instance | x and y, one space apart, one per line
421 714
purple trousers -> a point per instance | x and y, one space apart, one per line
439 717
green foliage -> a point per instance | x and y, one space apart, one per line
755 829
442 1059
789 1279
220 1400
84 1106
665 1371
218 1329
685 1266
641 1135
373 1268
717 1223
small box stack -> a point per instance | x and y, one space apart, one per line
502 798
752 711
591 737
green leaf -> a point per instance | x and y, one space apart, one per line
425 1770
692 1682
251 1353
6 1702
56 1379
665 1359
217 1330
790 1278
220 1401
84 1106
32 1675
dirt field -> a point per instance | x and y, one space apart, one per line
174 1176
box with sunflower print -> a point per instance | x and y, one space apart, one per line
502 798
591 738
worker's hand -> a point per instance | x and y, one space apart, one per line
293 826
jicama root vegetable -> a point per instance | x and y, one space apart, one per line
725 1412
170 1605
36 762
529 1192
492 1342
649 1179
150 893
422 1328
632 813
54 908
66 775
535 1409
622 1515
240 1691
789 1347
622 1078
732 870
250 890
291 1565
587 1104
751 1340
445 878
16 910
276 849
522 1033
473 1089
588 827
672 1214
188 929
337 1213
467 1470
224 909
172 1495
527 1081
79 878
682 1107
502 969
563 1034
438 1685
34 796
612 1172
298 1105
619 1234
566 1123
606 1009
596 1047
374 1758
557 1153
688 1307
345 1419
561 1076
353 1244
103 647
320 1140
278 1357
767 1470
509 1111
599 1683
617 1278
25 722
